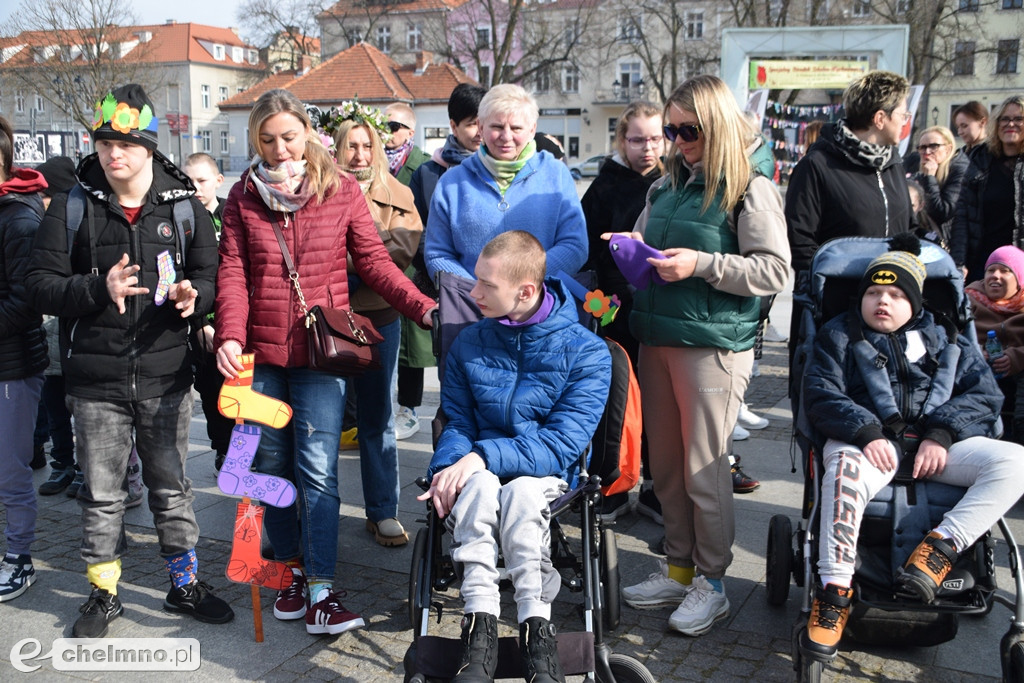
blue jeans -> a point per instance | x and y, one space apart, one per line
305 451
19 405
378 449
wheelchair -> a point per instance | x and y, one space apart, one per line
588 565
897 519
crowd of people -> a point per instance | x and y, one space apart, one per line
127 281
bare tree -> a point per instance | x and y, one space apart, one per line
75 50
282 25
353 21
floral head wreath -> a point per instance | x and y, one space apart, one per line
327 122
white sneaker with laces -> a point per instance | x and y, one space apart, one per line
739 433
749 420
656 591
700 609
407 423
773 335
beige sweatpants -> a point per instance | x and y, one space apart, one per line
691 397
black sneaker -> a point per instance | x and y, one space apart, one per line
60 479
38 457
98 611
197 600
648 504
16 575
609 508
76 484
539 651
218 460
479 648
741 483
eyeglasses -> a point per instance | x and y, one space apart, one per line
905 115
687 132
641 143
395 126
932 148
1007 120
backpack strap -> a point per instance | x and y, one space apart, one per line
77 209
184 220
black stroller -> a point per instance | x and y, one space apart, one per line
588 566
902 513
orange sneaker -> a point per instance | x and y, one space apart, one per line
829 613
927 567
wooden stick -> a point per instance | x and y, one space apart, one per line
257 610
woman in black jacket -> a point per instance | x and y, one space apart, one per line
940 173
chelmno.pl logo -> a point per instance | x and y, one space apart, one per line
109 654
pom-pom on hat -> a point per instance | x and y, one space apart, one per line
126 114
1011 257
899 267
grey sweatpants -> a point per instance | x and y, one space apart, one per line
989 469
516 516
19 403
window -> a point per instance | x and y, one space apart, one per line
414 37
41 103
542 80
968 5
629 75
354 36
384 39
861 8
572 32
204 136
204 95
570 79
695 25
694 67
485 75
629 29
19 102
254 56
1006 56
483 37
1013 4
218 53
222 93
903 6
236 55
224 148
963 63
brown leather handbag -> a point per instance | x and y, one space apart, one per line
341 341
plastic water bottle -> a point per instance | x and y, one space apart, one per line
995 350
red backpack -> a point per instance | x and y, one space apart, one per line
615 449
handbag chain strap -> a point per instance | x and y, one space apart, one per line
293 274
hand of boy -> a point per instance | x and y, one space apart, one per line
447 484
930 459
882 454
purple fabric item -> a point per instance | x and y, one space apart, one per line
631 256
540 316
1011 257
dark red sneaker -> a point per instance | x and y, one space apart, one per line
291 602
741 483
330 616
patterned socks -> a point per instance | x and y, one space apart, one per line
237 400
247 564
182 568
105 575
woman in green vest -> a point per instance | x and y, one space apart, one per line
717 221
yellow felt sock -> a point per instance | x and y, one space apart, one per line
683 575
105 575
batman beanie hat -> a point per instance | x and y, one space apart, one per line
901 268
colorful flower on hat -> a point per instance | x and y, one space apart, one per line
596 303
97 116
125 118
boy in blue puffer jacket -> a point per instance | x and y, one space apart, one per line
877 376
524 390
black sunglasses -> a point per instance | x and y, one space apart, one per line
395 126
687 133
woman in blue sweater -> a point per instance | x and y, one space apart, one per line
506 185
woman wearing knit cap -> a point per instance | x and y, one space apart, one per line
947 403
998 306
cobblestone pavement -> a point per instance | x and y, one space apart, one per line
752 644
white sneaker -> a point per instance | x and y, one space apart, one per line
748 419
701 608
773 335
407 423
656 591
739 433
755 370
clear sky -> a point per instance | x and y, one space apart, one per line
212 12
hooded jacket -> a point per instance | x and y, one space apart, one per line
144 353
839 402
526 399
835 194
940 200
22 341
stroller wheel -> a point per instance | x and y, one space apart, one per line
416 580
1011 652
610 580
626 669
778 559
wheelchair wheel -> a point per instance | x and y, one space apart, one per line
779 559
1016 672
626 669
610 580
419 562
810 670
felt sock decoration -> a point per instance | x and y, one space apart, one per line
165 273
237 399
182 568
683 575
246 564
105 575
236 479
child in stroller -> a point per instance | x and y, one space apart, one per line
523 392
886 381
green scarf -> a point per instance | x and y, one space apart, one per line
504 172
